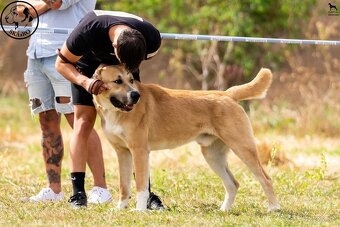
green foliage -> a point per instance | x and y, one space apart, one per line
258 18
3 4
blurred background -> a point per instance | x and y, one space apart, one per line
304 102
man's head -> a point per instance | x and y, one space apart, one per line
131 49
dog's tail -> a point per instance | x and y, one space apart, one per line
255 89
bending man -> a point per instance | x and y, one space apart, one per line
102 37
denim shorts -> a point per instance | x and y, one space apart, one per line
45 85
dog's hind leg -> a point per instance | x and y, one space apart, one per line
125 172
215 155
255 166
239 137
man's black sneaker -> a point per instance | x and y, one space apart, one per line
78 200
154 202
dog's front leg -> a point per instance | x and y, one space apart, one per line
141 163
125 172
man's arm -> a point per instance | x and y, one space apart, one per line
53 4
45 5
40 6
60 4
68 70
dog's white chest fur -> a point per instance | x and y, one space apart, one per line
112 126
113 129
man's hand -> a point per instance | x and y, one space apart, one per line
53 4
95 86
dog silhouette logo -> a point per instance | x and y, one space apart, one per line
333 10
332 7
18 15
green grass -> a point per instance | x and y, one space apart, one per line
309 195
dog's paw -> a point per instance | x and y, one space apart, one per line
139 210
273 208
224 209
122 204
225 206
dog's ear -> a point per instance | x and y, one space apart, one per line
97 73
26 12
102 65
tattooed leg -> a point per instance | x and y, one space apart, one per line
53 149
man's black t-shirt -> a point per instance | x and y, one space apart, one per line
90 38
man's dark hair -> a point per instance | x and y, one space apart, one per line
131 48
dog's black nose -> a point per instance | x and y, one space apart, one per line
134 96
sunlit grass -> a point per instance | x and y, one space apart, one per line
308 191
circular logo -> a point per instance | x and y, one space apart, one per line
16 18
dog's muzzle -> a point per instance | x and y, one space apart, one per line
133 99
134 96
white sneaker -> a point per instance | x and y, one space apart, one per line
99 195
47 194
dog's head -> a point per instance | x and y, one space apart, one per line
13 16
122 93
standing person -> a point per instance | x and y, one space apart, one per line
50 96
109 38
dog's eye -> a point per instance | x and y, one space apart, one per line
119 81
131 81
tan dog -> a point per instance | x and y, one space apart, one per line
138 118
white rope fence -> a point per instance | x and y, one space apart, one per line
197 37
